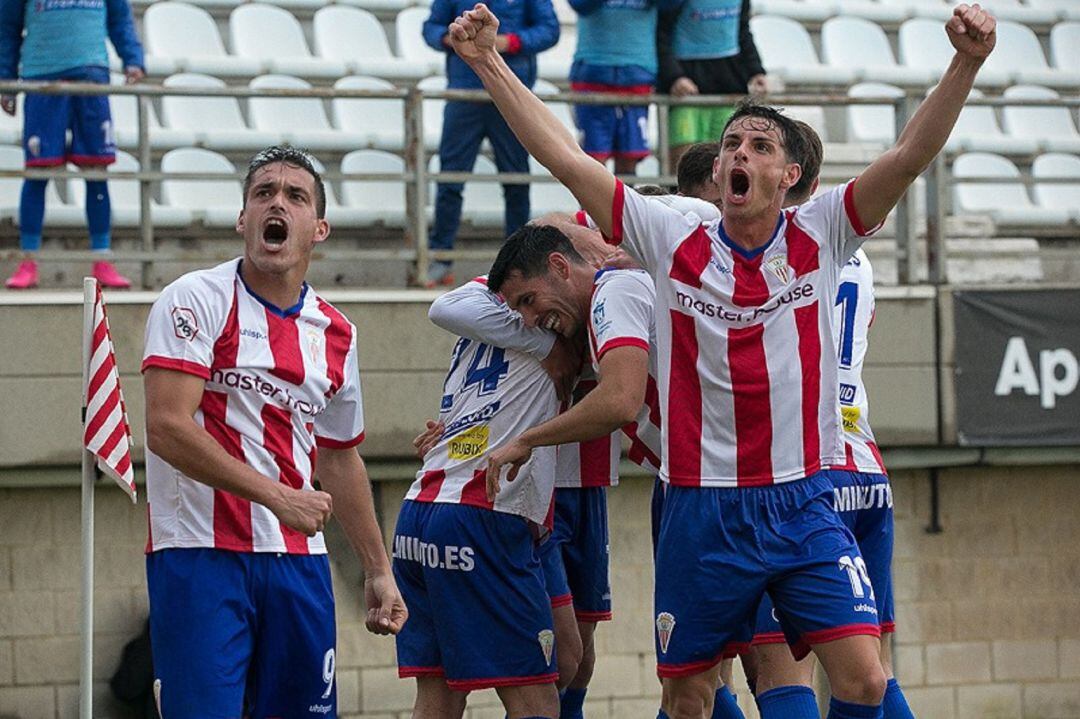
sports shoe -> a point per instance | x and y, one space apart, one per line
439 275
25 276
106 274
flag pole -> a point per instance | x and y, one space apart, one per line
86 667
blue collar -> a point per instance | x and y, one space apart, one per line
749 254
287 312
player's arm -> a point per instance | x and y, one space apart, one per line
541 30
473 312
11 26
614 402
342 473
172 398
121 27
971 31
472 36
434 28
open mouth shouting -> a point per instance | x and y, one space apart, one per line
551 322
738 188
275 231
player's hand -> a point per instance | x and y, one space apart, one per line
684 86
132 74
7 104
427 439
621 260
563 364
473 33
758 85
516 453
972 31
305 511
386 611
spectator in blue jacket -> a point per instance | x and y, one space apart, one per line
616 53
65 40
526 28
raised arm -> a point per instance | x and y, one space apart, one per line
472 35
971 31
473 312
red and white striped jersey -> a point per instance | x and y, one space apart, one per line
854 314
592 463
748 380
492 394
279 383
621 314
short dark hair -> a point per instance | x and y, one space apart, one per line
648 189
810 163
290 156
527 250
695 166
793 140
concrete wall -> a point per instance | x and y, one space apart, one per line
987 609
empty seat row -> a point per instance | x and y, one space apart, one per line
1031 12
1008 202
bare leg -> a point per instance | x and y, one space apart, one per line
690 697
567 644
854 668
777 668
435 700
534 700
586 630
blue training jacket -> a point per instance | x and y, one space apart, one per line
63 35
532 21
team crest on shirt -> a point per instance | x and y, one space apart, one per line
547 643
185 326
778 266
314 344
665 625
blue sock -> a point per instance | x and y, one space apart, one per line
793 702
571 701
895 706
846 710
724 705
662 715
98 213
31 214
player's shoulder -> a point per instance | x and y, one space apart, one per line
623 283
858 269
205 283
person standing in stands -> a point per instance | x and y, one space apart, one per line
528 27
65 40
706 48
616 55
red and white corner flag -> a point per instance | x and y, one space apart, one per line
106 432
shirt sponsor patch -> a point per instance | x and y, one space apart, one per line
470 444
851 419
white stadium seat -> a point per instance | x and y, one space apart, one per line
923 43
808 11
545 197
1056 195
1019 12
482 202
554 63
1065 45
274 37
216 121
380 121
381 6
356 38
125 119
215 202
857 43
124 198
11 127
1065 9
872 123
409 36
188 36
892 13
433 111
977 130
1006 202
1019 55
374 200
1052 127
300 121
787 51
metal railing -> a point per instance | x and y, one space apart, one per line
416 176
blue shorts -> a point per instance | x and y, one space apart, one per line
613 130
864 503
721 549
575 555
49 117
242 635
478 612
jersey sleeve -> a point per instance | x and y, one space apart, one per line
475 312
341 424
834 212
183 325
647 230
621 313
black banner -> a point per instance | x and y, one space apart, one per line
1017 367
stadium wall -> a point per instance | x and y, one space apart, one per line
987 608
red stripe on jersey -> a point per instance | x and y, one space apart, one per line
227 344
581 218
313 453
481 279
338 341
176 365
849 456
750 287
278 441
149 531
595 459
852 215
475 491
232 514
622 342
684 403
430 484
753 412
618 205
639 452
806 323
285 347
549 518
802 251
691 258
652 401
877 456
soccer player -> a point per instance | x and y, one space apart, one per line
252 390
66 41
694 172
744 309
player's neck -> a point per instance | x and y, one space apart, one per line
281 290
751 232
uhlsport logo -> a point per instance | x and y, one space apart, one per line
184 323
547 643
665 625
